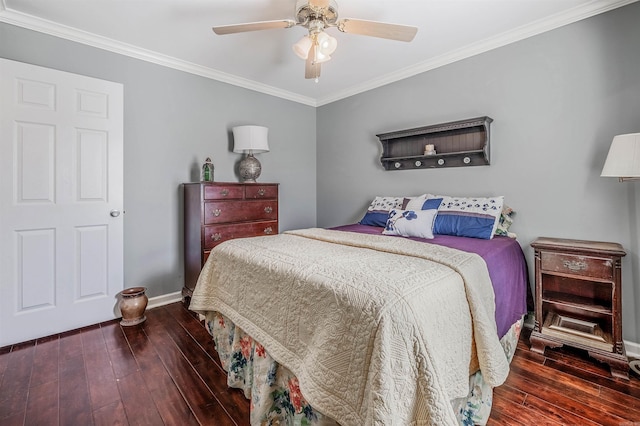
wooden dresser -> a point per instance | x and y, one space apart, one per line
579 299
219 211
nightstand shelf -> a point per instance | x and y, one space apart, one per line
578 299
578 302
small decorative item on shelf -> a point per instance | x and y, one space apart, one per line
429 149
207 170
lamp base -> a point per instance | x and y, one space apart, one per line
250 169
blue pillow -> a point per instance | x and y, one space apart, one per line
468 217
375 218
378 210
431 203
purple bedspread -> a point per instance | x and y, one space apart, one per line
506 264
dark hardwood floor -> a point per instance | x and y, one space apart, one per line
165 371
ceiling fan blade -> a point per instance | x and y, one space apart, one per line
311 68
377 29
253 26
319 3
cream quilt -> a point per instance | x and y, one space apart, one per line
377 329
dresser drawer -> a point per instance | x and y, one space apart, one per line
215 234
261 191
223 192
576 265
240 211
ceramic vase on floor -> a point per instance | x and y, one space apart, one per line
133 302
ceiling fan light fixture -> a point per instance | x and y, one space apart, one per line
326 44
317 16
301 47
320 57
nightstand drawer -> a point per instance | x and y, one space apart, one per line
222 192
240 211
576 265
214 235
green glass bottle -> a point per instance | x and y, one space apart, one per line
207 170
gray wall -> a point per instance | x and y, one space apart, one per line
173 121
557 100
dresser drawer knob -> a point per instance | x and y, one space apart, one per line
268 209
268 230
574 265
261 192
224 192
217 212
216 237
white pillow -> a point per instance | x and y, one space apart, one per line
411 223
415 203
385 203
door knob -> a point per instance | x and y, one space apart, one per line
114 213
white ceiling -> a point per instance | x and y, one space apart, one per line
177 33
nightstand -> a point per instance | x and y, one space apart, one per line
579 299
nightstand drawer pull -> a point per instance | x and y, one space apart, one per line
575 266
216 237
268 209
261 192
217 212
224 192
268 230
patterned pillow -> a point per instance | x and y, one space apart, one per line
411 223
378 210
415 203
506 220
468 217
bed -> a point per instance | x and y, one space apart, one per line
350 326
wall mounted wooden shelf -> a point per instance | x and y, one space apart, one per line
457 144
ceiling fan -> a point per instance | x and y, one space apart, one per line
317 46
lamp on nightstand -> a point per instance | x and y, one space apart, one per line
250 140
623 162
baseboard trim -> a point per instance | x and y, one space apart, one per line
164 299
632 348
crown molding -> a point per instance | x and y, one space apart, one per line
559 20
570 16
62 31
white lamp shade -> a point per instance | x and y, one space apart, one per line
302 47
250 139
327 44
623 160
321 57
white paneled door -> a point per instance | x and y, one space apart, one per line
61 197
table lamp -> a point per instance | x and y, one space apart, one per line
250 140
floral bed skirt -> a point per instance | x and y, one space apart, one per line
275 393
